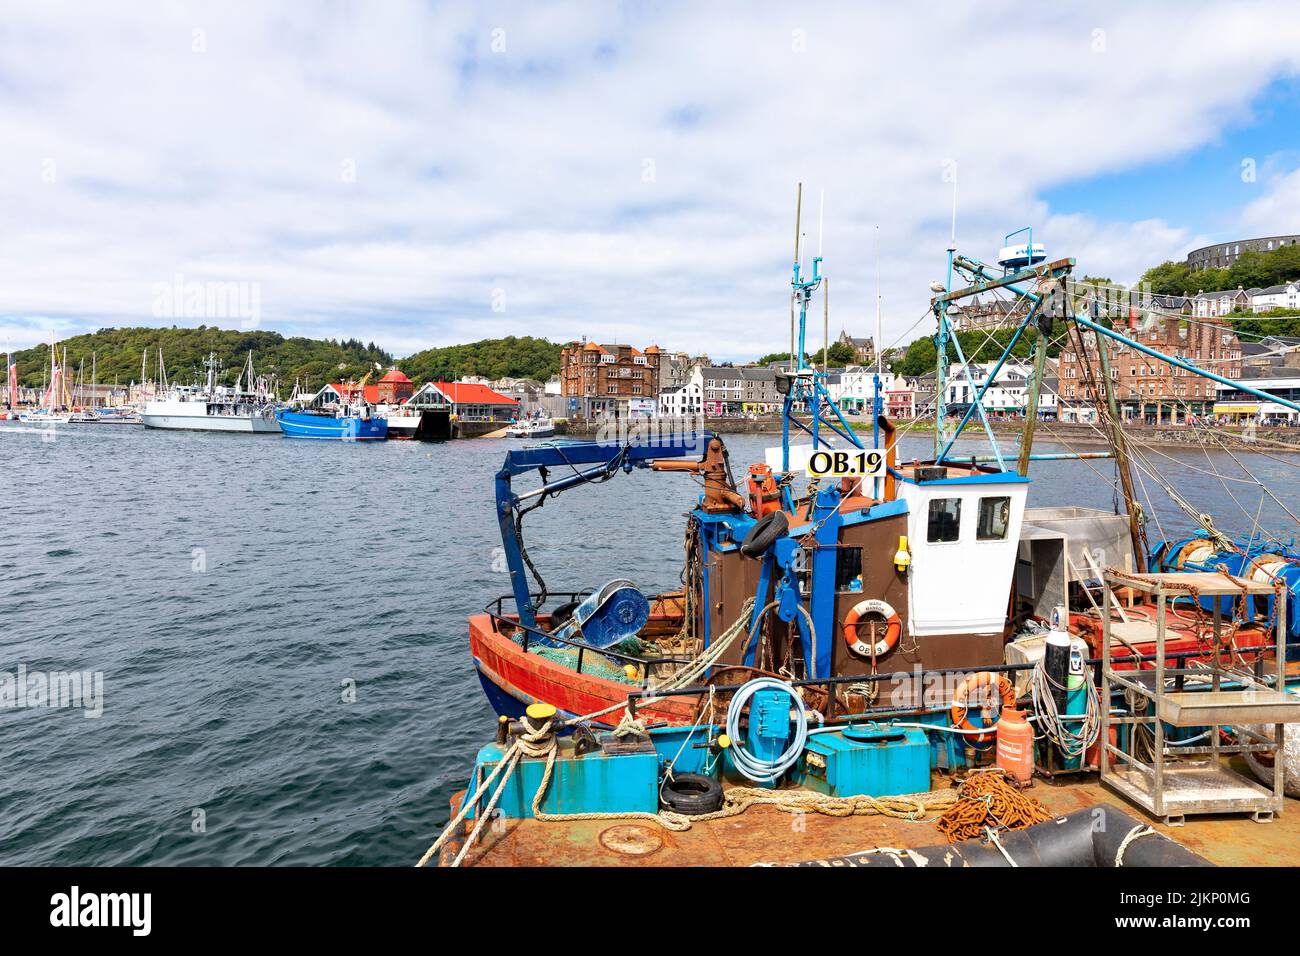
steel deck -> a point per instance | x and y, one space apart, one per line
765 835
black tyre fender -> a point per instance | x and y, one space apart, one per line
690 793
766 532
560 616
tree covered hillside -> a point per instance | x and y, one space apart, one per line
512 356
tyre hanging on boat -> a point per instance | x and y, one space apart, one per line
893 628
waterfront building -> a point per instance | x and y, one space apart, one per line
1237 406
1006 395
682 400
394 388
469 401
609 380
1148 389
854 388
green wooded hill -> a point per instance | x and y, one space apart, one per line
118 351
512 356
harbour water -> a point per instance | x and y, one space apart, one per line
280 627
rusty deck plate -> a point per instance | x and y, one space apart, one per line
765 835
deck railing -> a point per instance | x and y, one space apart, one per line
496 611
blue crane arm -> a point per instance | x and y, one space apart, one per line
584 462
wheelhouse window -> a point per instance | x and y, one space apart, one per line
995 517
945 520
848 570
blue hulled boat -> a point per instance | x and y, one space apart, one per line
344 423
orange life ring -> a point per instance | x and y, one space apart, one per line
893 628
961 696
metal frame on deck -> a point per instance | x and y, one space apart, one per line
1204 784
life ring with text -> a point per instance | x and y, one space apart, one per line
893 628
971 685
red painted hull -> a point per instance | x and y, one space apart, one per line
527 678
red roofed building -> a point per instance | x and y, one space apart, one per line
347 393
468 401
395 388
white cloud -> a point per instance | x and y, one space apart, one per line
526 170
1277 211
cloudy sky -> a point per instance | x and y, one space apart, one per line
421 174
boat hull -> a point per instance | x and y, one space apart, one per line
513 679
402 427
328 428
246 424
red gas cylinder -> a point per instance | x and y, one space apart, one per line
1015 745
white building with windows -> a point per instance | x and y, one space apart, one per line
1209 305
682 400
1285 296
854 388
1008 393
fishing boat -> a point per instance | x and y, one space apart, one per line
246 408
531 428
333 423
912 608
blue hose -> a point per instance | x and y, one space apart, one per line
755 768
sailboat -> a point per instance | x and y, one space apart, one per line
11 405
54 406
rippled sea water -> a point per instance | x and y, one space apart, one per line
233 589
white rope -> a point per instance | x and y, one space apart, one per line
1071 743
1137 833
993 838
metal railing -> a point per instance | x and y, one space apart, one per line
496 611
919 676
643 664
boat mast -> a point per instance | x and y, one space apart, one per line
941 340
805 383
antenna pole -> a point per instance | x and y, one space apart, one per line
798 211
941 341
826 321
821 222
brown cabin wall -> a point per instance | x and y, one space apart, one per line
733 578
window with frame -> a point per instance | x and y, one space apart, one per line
994 519
848 570
944 520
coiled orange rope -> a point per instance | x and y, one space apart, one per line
986 801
